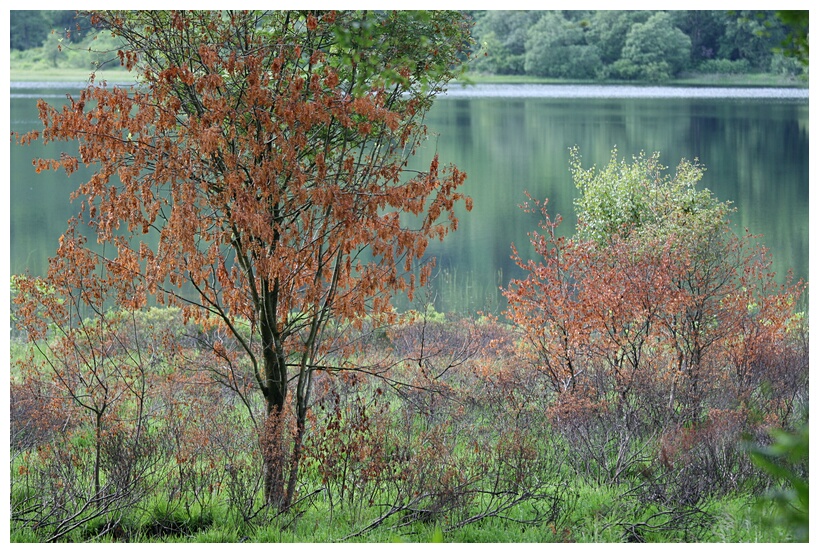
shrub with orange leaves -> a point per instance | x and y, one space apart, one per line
653 313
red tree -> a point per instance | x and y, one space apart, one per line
261 163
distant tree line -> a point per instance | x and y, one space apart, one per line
46 39
590 44
31 28
637 45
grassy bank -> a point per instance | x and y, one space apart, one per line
746 80
67 75
738 80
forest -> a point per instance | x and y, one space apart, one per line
650 46
214 354
610 45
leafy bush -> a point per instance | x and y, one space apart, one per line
788 66
724 66
786 461
637 197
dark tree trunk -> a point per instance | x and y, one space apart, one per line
272 441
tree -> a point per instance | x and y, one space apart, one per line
94 372
655 50
261 165
749 35
556 47
729 304
704 28
502 37
796 43
30 28
608 30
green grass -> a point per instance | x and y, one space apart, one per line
590 513
599 515
757 79
750 79
67 75
735 520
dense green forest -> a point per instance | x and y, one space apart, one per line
653 46
633 45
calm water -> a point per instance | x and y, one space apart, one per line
514 139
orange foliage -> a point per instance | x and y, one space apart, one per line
654 326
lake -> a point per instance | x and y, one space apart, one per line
513 139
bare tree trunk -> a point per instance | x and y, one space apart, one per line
303 390
295 461
97 452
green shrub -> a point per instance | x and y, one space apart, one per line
640 198
786 460
724 66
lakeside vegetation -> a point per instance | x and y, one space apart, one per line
631 394
686 79
648 382
715 79
468 457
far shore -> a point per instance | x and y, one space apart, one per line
747 80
